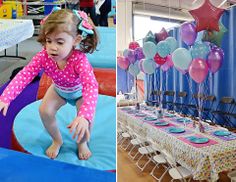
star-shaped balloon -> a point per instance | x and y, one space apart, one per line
207 16
162 35
215 37
149 38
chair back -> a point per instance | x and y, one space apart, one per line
154 97
225 105
168 99
169 158
169 93
182 94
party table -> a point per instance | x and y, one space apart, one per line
13 32
204 160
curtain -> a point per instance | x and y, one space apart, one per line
220 84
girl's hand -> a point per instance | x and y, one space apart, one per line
4 107
81 127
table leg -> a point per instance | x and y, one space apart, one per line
12 56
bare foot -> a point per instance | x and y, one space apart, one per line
53 150
83 151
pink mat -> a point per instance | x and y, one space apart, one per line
198 145
169 125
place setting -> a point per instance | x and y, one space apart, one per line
198 140
176 130
224 135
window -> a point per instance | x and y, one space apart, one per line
143 24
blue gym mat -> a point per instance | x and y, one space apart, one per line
33 137
105 55
20 167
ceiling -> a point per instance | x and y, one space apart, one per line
174 8
187 4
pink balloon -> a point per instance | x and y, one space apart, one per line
165 66
198 70
214 60
123 62
162 35
159 60
168 64
169 61
133 45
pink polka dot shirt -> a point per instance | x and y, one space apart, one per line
77 72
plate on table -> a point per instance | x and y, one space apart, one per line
126 109
169 115
132 112
176 130
161 123
140 114
150 118
199 140
222 133
150 108
183 120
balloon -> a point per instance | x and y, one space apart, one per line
188 33
169 61
149 50
134 69
198 70
123 62
130 54
182 71
219 50
139 53
215 37
181 58
166 66
133 45
163 48
159 60
162 35
200 50
149 38
172 43
207 16
149 66
214 60
125 52
140 65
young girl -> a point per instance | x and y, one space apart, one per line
72 75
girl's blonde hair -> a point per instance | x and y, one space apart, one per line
66 21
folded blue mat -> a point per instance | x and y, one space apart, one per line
33 137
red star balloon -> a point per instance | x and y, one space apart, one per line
207 16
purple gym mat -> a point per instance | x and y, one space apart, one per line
28 96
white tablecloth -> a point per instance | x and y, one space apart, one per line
13 32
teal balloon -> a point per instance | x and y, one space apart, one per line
200 50
150 37
163 48
214 36
134 69
172 43
181 58
149 50
149 66
126 52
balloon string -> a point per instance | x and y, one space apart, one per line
200 99
189 84
127 80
